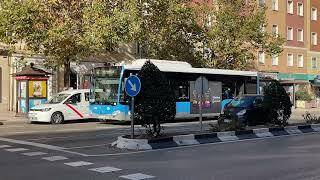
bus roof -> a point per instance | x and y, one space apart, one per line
184 67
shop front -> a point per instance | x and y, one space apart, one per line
292 83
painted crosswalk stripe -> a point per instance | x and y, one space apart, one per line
5 146
55 158
138 176
78 163
105 169
16 149
34 153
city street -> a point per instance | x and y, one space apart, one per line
86 155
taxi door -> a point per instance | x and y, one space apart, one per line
73 107
84 105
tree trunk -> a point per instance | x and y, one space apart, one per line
67 72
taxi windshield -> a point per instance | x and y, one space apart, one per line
58 98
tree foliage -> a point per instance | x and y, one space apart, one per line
277 103
65 31
72 30
169 30
236 34
155 103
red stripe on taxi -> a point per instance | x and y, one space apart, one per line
74 110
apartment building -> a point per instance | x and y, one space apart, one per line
297 21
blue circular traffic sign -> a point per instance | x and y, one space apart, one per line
133 86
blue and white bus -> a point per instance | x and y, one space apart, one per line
108 100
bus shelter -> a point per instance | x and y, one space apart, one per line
31 88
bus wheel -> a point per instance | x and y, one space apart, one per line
57 118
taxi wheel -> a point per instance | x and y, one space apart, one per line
57 118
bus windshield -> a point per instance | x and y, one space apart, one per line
105 85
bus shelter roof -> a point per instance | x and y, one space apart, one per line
184 67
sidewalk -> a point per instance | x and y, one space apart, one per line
10 117
296 116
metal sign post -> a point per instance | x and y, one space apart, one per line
200 112
202 86
132 88
132 118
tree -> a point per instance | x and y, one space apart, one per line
236 34
277 104
155 103
66 31
169 30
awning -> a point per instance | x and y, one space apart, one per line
84 67
294 82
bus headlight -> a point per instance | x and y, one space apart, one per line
116 113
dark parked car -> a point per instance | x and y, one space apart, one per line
247 109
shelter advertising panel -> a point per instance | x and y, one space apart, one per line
37 89
211 98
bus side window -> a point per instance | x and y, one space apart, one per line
87 96
182 93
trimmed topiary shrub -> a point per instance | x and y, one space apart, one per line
277 104
155 104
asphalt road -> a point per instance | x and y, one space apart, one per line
279 158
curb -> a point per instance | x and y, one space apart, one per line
194 139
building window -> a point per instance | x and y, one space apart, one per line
261 57
275 5
275 60
290 60
314 63
290 33
261 3
300 60
275 30
300 9
314 14
314 38
300 35
290 6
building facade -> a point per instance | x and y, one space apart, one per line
297 21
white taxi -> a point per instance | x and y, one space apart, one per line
64 106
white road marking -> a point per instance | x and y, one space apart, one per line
16 149
45 146
55 158
34 154
105 169
5 146
78 163
138 176
80 147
